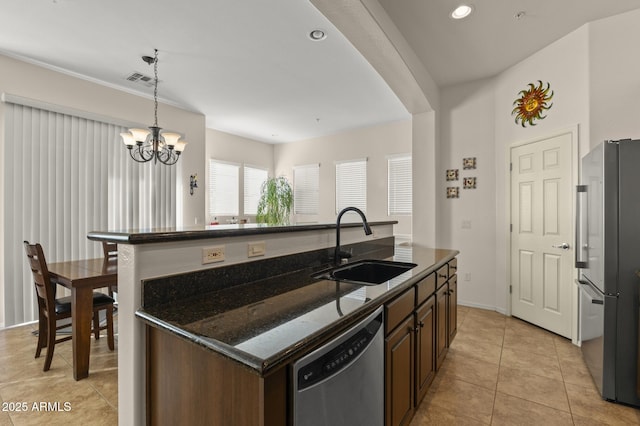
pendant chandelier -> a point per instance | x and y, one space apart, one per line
146 145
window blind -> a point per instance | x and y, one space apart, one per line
64 177
306 189
399 185
253 179
223 189
351 184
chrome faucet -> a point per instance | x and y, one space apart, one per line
339 255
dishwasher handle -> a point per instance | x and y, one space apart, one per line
340 353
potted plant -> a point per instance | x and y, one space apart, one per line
275 203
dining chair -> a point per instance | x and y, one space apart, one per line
52 309
110 252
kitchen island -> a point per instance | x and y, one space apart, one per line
225 356
153 254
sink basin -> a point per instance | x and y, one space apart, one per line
368 272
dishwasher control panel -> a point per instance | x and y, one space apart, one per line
339 357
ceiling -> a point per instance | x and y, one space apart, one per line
250 67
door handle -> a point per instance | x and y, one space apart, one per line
563 246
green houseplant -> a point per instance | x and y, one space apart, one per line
275 203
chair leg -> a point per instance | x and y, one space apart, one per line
42 334
110 339
96 324
51 340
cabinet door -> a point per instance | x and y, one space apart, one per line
453 307
399 375
442 314
425 347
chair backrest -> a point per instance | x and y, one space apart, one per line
45 289
110 249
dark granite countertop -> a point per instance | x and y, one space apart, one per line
270 322
158 235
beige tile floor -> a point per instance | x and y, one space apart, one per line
503 371
499 371
24 386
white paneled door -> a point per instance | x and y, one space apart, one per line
542 233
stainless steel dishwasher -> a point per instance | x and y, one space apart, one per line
342 383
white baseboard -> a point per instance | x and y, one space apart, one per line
479 306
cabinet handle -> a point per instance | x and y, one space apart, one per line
416 330
442 276
455 268
421 324
450 291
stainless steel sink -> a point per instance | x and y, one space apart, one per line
367 272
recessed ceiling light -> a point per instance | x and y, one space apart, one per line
461 11
317 35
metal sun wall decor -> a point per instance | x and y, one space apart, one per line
532 103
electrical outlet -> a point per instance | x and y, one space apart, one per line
258 248
212 254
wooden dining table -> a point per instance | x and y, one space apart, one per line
82 277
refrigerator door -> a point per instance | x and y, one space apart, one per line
591 322
591 216
627 263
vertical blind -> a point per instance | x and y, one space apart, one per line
64 177
306 189
399 185
224 190
254 177
351 184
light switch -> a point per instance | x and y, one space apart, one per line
258 248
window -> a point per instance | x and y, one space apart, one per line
224 189
253 180
306 189
351 184
399 185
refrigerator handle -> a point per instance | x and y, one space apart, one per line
581 249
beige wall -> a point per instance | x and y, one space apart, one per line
614 82
375 143
596 87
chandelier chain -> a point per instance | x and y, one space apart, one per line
155 89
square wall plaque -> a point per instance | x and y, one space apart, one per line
469 163
469 183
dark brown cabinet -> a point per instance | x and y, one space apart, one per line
442 333
453 307
399 380
409 350
425 348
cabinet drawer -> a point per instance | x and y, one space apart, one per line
398 309
453 267
425 288
442 275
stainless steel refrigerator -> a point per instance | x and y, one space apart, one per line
608 257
